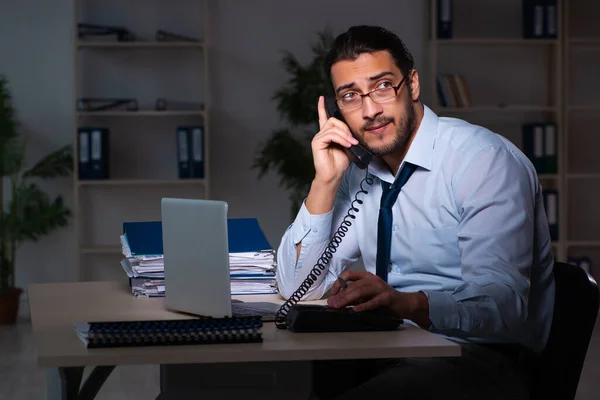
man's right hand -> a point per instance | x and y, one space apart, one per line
330 161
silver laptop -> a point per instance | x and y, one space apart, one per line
196 257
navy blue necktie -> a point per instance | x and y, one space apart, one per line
384 225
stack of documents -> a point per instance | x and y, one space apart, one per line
252 272
252 261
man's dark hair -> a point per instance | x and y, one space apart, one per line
368 39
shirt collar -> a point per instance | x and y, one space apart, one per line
420 152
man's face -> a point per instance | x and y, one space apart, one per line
383 127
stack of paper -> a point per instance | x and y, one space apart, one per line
252 272
146 275
252 262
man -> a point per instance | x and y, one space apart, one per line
468 252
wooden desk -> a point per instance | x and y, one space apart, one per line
54 307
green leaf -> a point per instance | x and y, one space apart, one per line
287 151
290 157
9 148
32 214
56 164
13 157
297 99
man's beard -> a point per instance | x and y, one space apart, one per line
404 128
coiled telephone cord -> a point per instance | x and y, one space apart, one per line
324 259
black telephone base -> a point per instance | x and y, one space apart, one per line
317 318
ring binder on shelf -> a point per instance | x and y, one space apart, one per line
203 330
83 146
106 103
122 34
163 36
184 153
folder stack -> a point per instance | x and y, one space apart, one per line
252 261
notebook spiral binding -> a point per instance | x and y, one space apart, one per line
204 330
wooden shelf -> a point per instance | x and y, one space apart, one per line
151 64
584 108
548 176
583 176
140 45
100 250
583 243
585 41
546 71
141 113
141 182
497 42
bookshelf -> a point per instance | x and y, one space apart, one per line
581 107
143 148
508 79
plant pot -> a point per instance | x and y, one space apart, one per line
9 305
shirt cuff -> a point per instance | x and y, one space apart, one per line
310 229
443 310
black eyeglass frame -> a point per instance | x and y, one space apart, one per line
362 96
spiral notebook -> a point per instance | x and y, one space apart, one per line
203 330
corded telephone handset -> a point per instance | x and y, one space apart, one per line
357 153
318 318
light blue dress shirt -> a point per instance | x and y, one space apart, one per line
469 230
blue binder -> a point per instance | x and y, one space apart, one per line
550 197
533 19
551 19
83 147
244 235
184 153
197 152
550 151
533 145
444 19
144 238
99 153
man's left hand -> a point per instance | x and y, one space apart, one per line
368 291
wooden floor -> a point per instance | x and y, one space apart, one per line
20 379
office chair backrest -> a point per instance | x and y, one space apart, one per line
575 312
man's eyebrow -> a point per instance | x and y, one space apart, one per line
381 75
372 78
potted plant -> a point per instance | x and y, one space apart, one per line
29 213
287 151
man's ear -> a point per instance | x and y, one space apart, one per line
415 85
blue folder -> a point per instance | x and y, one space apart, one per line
244 235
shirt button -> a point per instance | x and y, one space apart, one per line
315 230
305 227
394 227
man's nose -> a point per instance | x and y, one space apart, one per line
370 109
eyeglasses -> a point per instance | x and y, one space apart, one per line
377 95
